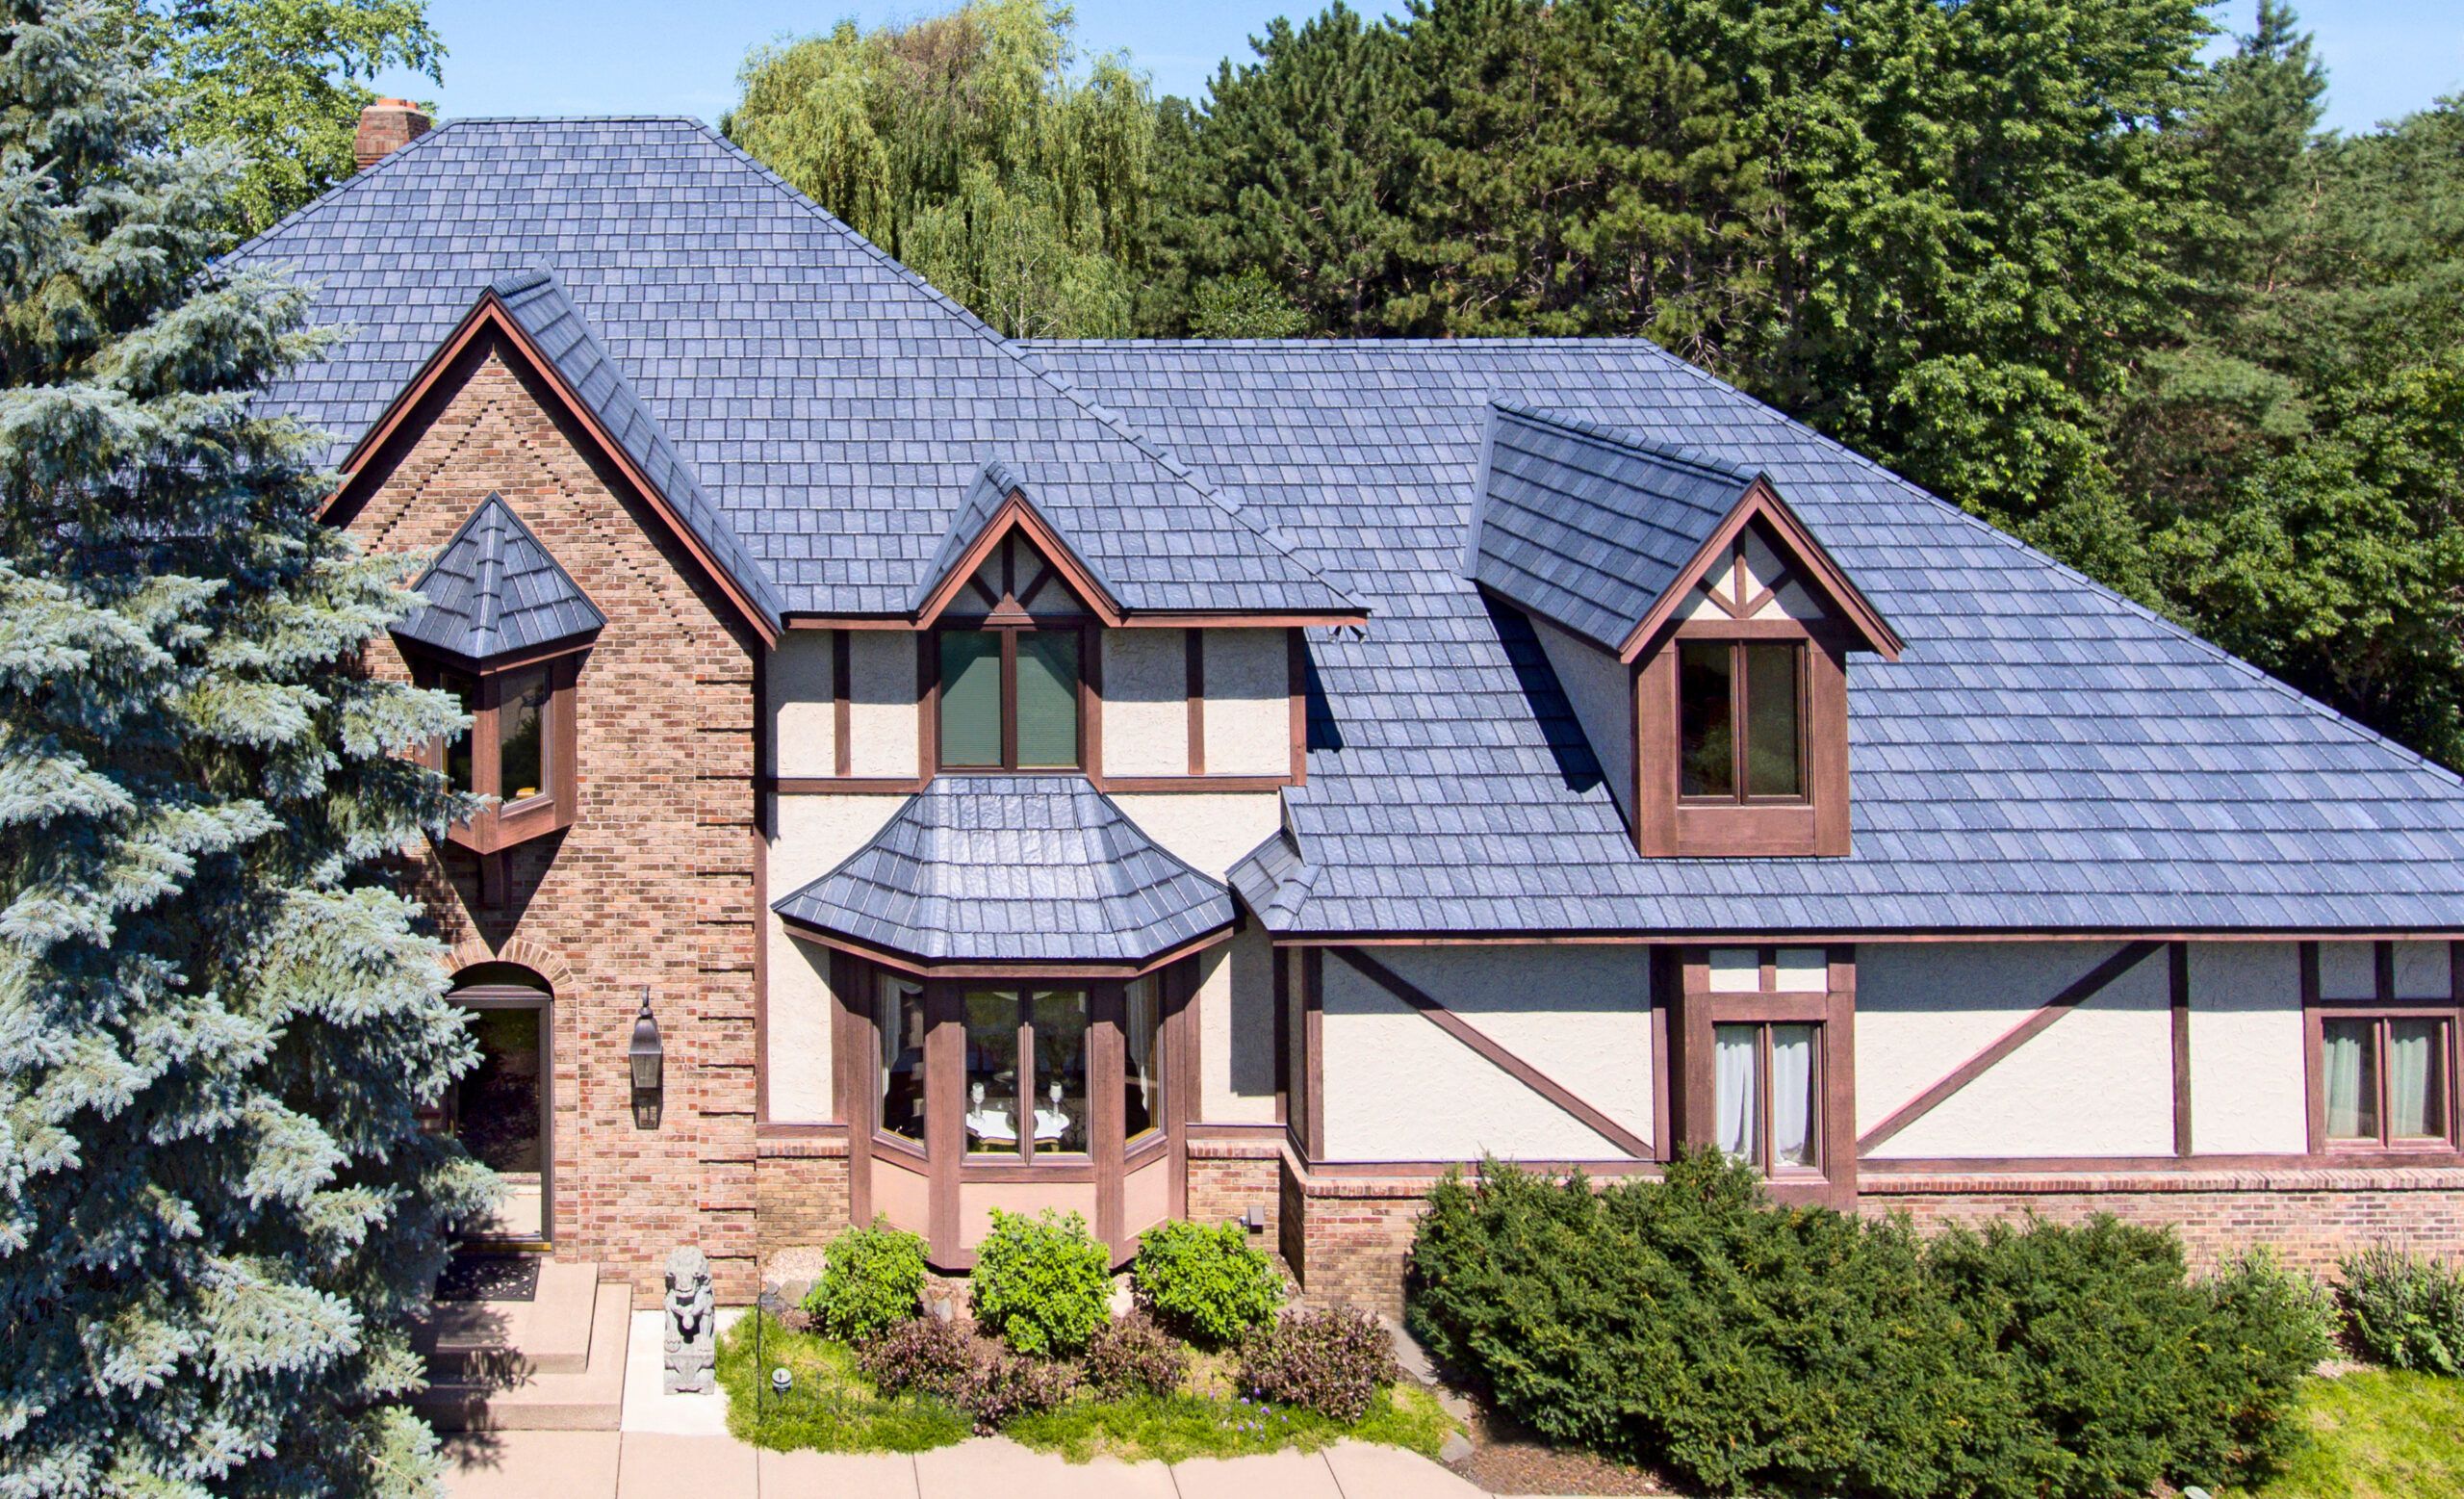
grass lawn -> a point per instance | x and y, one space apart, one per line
835 1409
2382 1433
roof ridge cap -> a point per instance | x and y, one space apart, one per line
368 173
1682 454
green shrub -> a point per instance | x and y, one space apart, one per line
1205 1283
869 1284
1688 1324
1335 1361
2403 1311
1041 1283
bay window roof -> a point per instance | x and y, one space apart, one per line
495 592
1005 869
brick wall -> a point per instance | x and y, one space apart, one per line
652 884
1228 1179
1347 1239
800 1194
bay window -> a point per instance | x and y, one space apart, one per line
1038 1036
518 750
898 1025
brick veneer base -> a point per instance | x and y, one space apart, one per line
1348 1238
1228 1180
799 1195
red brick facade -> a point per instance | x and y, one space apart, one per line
653 882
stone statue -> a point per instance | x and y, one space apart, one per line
691 1318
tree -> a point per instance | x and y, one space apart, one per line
283 82
968 146
216 1023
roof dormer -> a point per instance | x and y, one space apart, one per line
1701 629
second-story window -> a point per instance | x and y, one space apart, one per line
1010 699
1740 720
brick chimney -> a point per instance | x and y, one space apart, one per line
385 127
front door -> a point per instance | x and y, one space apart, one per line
499 1110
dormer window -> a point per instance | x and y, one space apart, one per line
504 629
1740 721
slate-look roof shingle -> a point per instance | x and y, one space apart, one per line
2044 756
494 590
1015 870
832 406
1587 525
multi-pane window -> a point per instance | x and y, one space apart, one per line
1008 699
522 723
518 748
1026 1072
1767 1093
898 1019
2385 1080
1740 720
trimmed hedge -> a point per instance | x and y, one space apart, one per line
1205 1283
1043 1285
1689 1326
869 1284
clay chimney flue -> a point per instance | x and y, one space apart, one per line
385 127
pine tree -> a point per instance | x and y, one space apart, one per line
216 1023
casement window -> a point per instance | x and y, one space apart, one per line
1142 1073
898 1024
2384 1081
1010 699
518 750
1767 1095
1740 718
1026 1072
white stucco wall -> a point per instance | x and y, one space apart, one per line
2348 970
1397 1088
881 706
2097 1082
1211 830
803 727
812 834
1146 695
1236 1029
2248 1095
1601 688
1248 703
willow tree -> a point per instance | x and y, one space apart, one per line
217 1026
973 147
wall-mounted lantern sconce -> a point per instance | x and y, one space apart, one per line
648 1059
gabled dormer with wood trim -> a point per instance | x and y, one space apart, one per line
1700 630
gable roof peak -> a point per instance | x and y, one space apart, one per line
495 590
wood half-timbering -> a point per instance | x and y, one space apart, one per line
1092 722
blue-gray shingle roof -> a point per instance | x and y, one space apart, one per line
1014 869
2043 756
494 590
830 407
1587 525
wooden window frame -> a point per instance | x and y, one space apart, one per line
2381 1022
1740 739
2382 1005
503 824
1761 1157
1009 633
1815 822
1024 1155
1687 1076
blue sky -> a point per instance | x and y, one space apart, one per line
680 57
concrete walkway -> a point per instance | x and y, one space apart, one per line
664 1465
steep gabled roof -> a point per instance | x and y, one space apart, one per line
494 591
832 406
1011 869
1603 530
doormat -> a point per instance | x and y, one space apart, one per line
489 1277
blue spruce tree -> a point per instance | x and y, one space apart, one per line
217 1022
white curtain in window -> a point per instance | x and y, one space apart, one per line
1732 1091
2414 1085
2350 1089
1792 1095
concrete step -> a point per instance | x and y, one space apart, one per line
474 1341
590 1398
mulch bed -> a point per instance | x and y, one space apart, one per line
1526 1467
